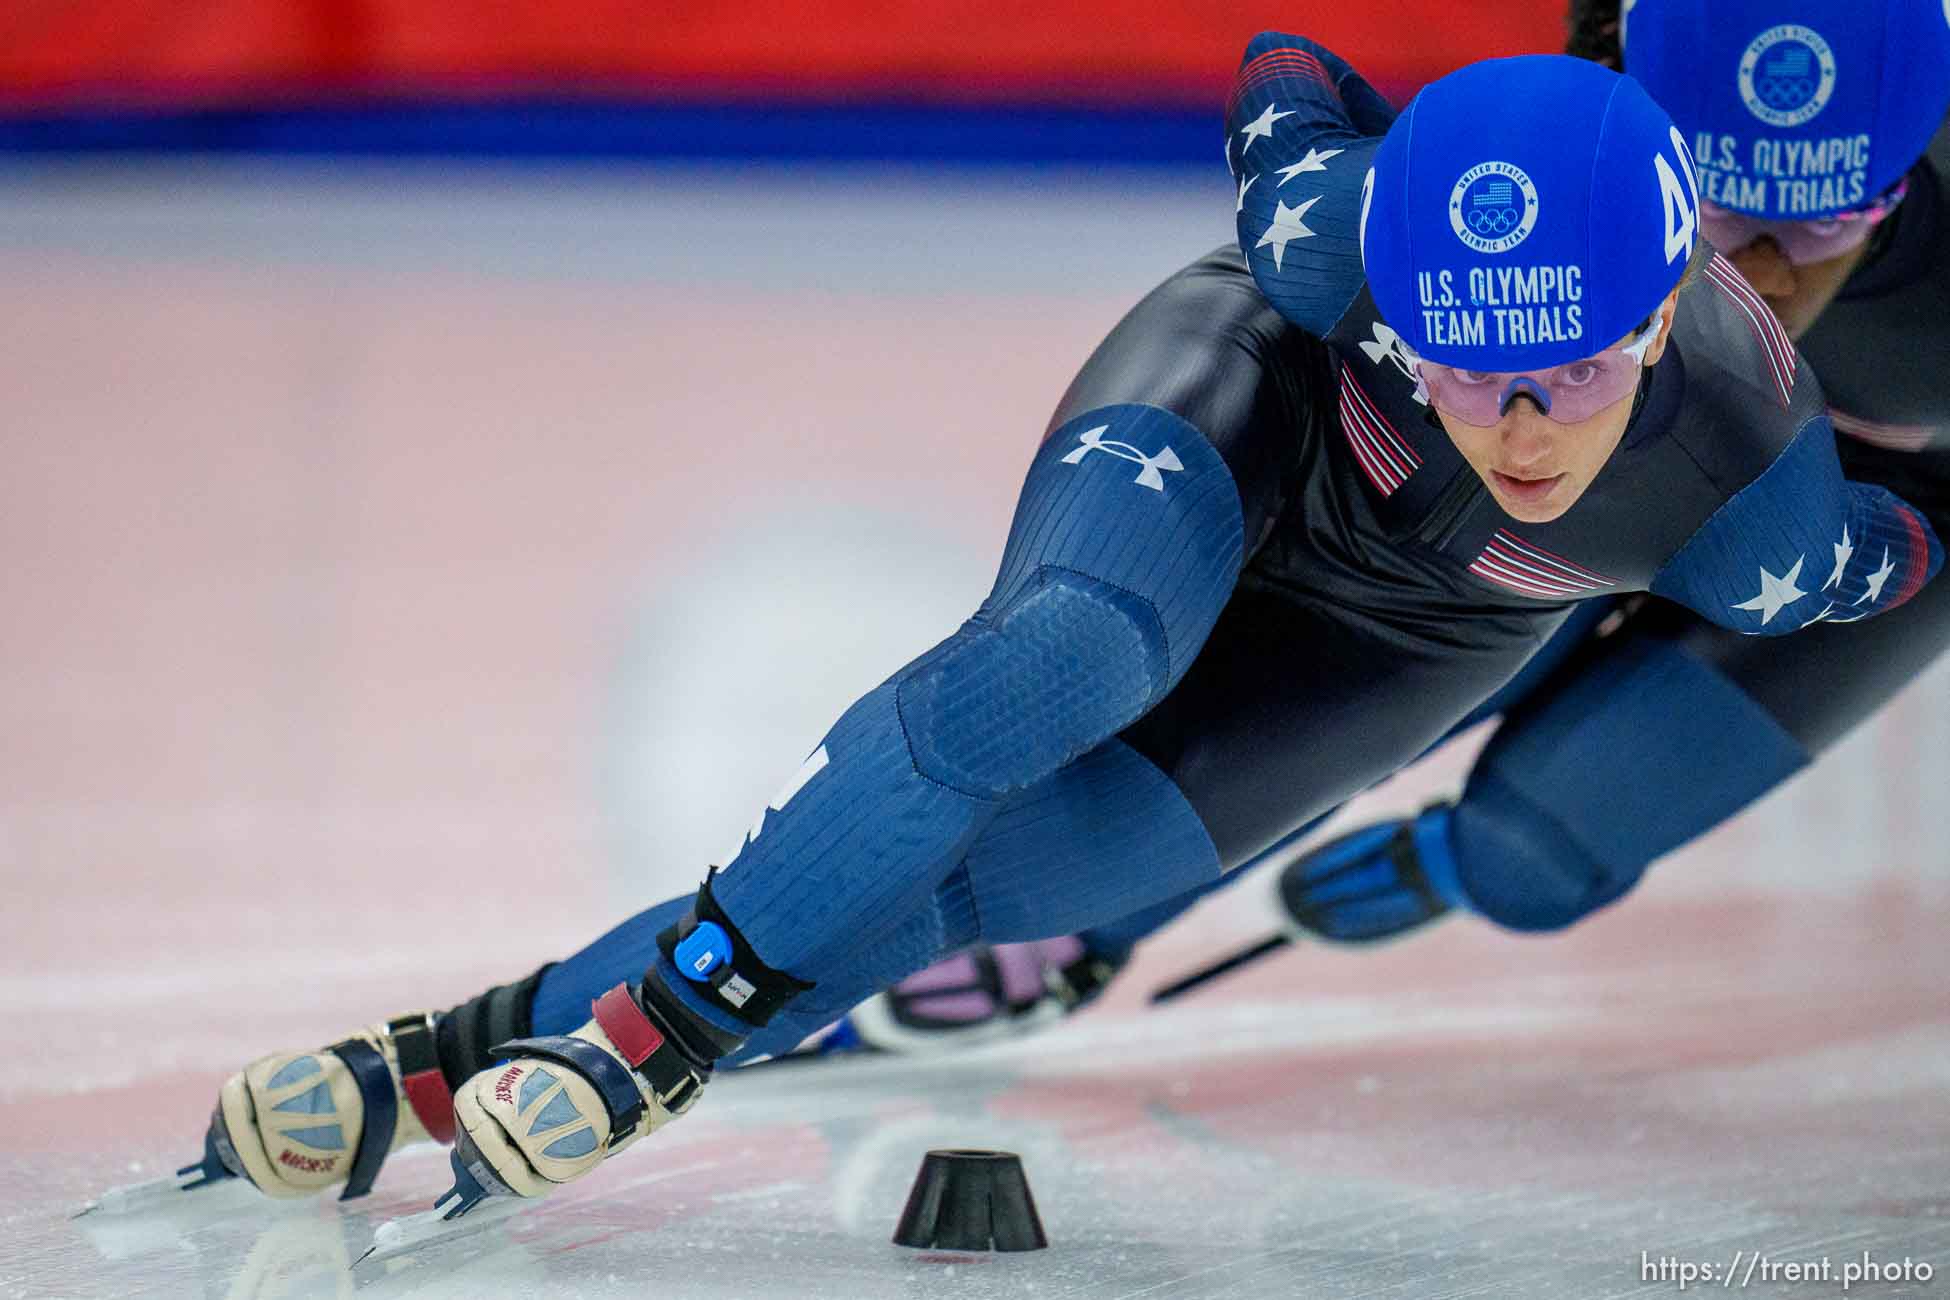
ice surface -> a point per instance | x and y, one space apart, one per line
1486 1119
407 575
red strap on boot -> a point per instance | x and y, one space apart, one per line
433 1101
623 1020
420 1077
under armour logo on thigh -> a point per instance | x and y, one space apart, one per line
1149 476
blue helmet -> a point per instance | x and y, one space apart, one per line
1522 213
1796 109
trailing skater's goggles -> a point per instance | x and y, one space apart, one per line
1802 242
1569 394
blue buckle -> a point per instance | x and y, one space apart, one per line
702 951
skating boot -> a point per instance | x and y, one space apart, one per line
295 1123
562 1105
980 995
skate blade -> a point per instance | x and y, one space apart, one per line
132 1198
1224 966
416 1232
206 1172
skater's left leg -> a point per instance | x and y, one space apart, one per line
1667 730
1115 941
1564 813
1635 748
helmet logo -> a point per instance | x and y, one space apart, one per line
1493 207
1787 74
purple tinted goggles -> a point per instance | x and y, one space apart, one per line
1569 394
1802 242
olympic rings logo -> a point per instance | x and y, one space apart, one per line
1798 78
1493 221
1493 207
1785 92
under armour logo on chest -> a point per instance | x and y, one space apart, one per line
1149 476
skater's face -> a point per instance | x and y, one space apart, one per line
1797 266
1798 293
1537 468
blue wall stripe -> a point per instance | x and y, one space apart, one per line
581 129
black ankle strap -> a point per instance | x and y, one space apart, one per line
708 951
464 1037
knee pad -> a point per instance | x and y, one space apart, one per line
1125 547
1020 693
1520 867
1126 544
1642 751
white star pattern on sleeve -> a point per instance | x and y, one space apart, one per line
1879 577
1775 592
1843 553
1261 128
1287 226
1245 185
1315 161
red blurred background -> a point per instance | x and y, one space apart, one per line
141 57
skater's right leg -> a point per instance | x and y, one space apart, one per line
1105 833
1109 585
1107 589
1164 466
1112 578
1241 741
531 1125
980 993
